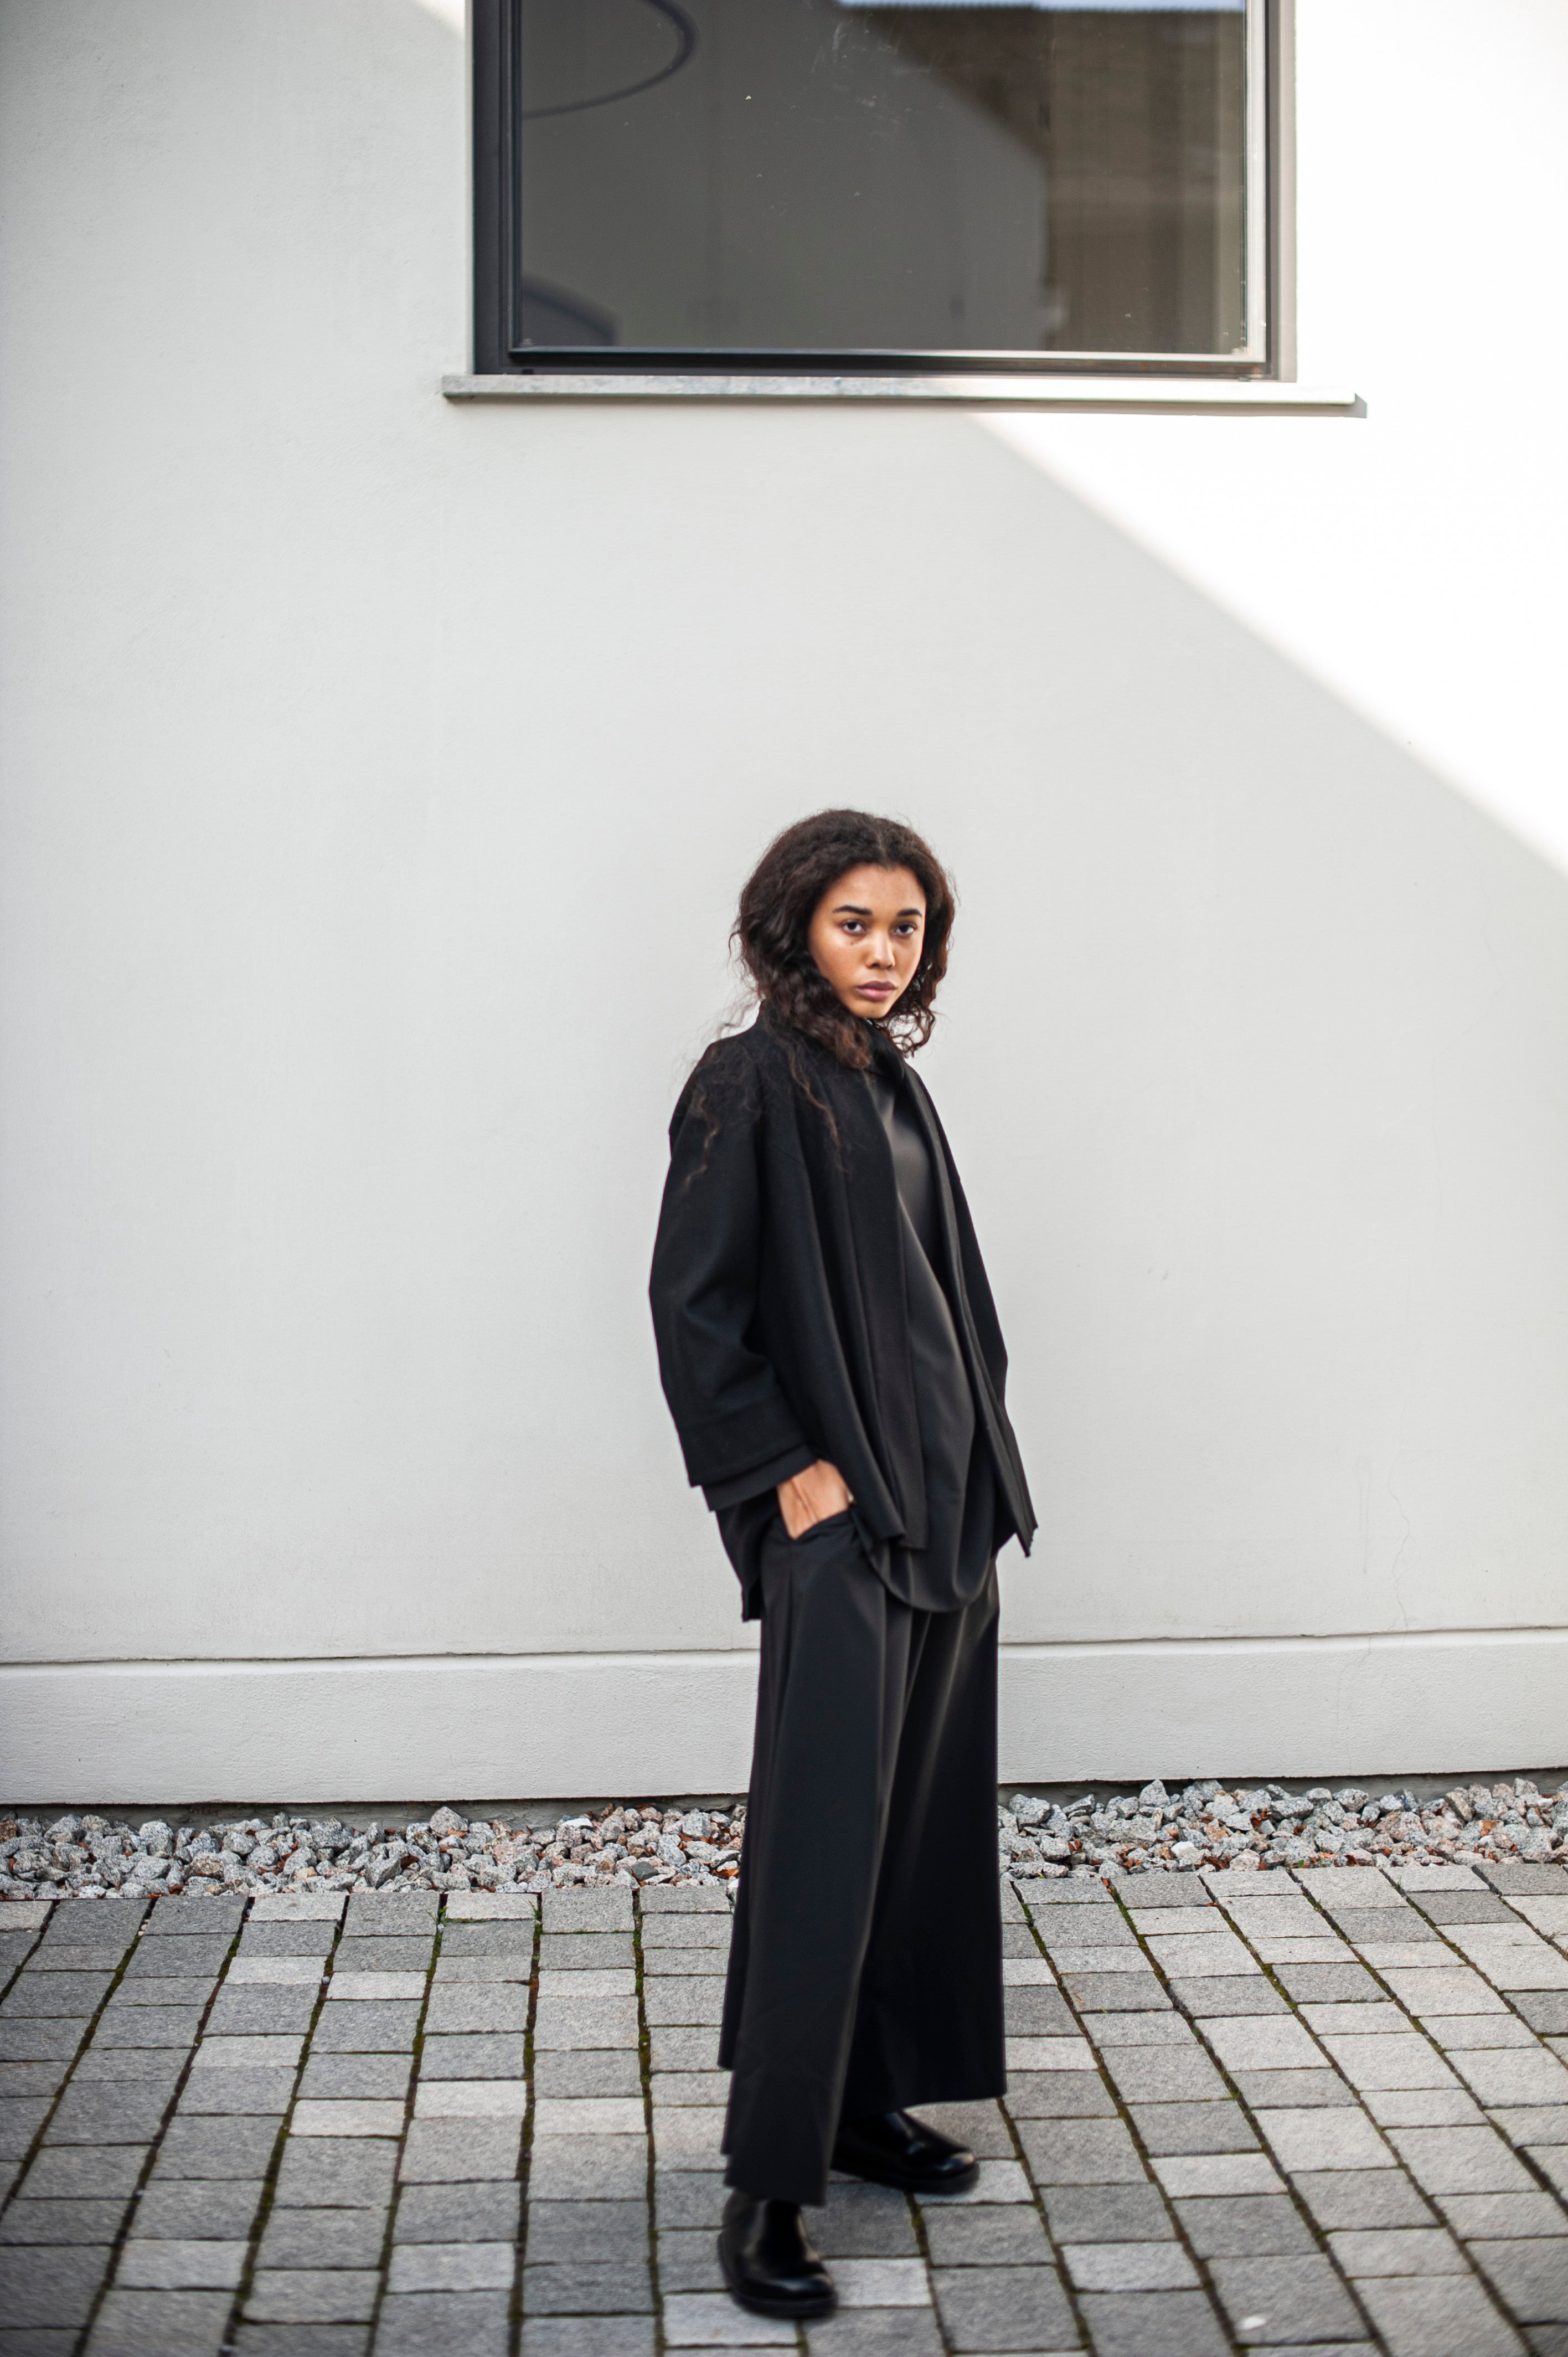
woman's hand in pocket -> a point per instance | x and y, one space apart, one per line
811 1497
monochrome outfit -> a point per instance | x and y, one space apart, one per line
818 1292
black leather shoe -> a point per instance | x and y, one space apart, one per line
768 2265
892 2148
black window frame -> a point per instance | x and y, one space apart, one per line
496 107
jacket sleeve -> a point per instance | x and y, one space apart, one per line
732 1415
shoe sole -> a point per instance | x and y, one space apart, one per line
758 2305
909 2180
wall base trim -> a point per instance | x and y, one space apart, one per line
566 1724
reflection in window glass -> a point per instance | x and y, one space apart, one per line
842 176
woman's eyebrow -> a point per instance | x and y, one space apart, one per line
851 908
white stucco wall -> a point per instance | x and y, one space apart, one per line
379 776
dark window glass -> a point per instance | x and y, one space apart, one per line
839 176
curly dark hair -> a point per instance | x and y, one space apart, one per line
777 906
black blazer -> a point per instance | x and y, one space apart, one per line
778 1288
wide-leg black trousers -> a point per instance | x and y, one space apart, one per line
865 1972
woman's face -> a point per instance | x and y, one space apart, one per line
867 934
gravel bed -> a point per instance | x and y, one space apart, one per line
1201 1825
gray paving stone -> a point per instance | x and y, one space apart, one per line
374 1913
592 2287
162 1990
472 2057
322 2238
308 1938
45 2222
63 1956
120 2112
106 1923
587 2169
270 2089
1214 2000
1362 2196
1163 2074
686 2197
48 1996
396 1953
452 2152
160 2324
1546 2010
122 2065
663 1963
684 2050
1153 2324
1149 1890
203 2147
1459 2160
1529 2276
1130 2267
482 1968
592 2070
689 2261
199 2209
368 2075
588 1910
1066 1934
313 2295
30 2081
509 1942
1008 2234
857 2222
1381 1924
432 2324
858 2332
474 2213
1503 2216
1036 2013
1081 2152
980 2126
1302 2297
1106 2213
575 1952
85 2172
1168 2129
475 2005
1463 1907
21 2117
714 1931
1059 2095
688 1999
1398 2251
380 2026
247 2012
184 1917
1243 2225
334 2173
1531 2123
562 2232
195 1959
1272 2090
303 2340
581 2336
1528 1881
55 2293
1004 2308
150 2025
1116 1992
36 2039
1437 2315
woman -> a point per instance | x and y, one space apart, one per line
832 1358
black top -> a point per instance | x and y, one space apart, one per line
960 1499
779 1297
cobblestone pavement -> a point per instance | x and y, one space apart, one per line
1307 2110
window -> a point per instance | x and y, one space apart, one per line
794 184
